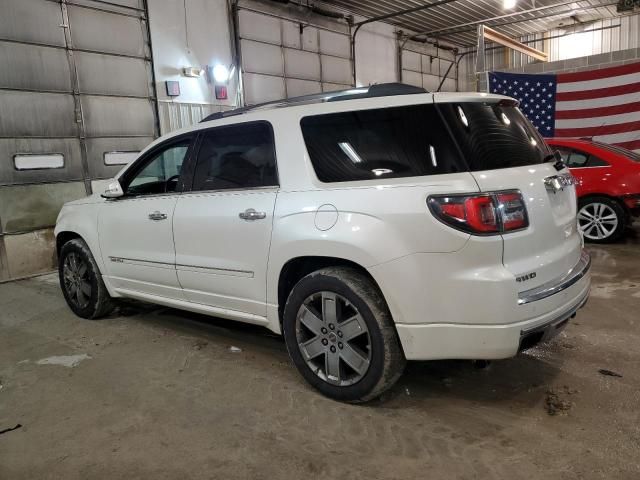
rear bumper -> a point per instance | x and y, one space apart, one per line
520 319
486 342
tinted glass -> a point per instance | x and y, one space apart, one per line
494 136
596 162
161 173
238 156
380 143
577 159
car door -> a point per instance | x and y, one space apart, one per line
135 230
222 226
586 168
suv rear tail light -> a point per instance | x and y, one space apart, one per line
482 213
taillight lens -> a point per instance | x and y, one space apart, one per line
481 214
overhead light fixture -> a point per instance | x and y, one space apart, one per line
509 4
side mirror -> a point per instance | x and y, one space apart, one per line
114 190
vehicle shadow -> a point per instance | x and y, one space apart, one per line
522 381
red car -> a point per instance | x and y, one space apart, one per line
608 186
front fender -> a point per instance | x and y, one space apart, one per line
82 220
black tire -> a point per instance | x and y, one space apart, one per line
603 232
357 291
97 303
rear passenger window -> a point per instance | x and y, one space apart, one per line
596 162
236 157
380 143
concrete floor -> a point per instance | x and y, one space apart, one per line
157 393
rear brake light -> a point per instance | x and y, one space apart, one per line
483 213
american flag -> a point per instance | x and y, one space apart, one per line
600 104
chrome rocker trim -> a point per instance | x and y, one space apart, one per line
557 285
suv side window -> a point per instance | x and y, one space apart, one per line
380 143
236 157
160 173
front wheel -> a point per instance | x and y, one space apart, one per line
81 282
601 219
340 335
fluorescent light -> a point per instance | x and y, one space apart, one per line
509 4
463 117
350 152
432 154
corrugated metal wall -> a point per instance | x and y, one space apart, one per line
76 81
622 33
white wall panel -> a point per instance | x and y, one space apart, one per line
411 60
310 39
332 43
263 88
259 27
300 64
412 78
297 88
289 60
336 70
291 34
262 58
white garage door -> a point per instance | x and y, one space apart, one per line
286 57
426 66
76 100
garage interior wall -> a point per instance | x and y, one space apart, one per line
425 66
616 44
278 60
76 100
189 33
288 52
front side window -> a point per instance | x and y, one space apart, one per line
160 174
236 157
380 143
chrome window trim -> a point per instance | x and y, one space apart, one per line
557 285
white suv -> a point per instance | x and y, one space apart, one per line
370 227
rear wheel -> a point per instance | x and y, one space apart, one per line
340 335
601 219
81 282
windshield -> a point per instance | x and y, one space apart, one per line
494 135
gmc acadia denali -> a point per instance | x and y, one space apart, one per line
369 226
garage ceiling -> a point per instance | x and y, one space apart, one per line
448 19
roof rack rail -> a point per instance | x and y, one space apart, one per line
378 90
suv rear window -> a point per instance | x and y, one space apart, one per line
494 135
380 143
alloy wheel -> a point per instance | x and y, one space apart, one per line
76 280
597 221
333 338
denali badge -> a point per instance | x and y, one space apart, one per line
524 278
556 183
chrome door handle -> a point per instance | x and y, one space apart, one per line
157 216
251 214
